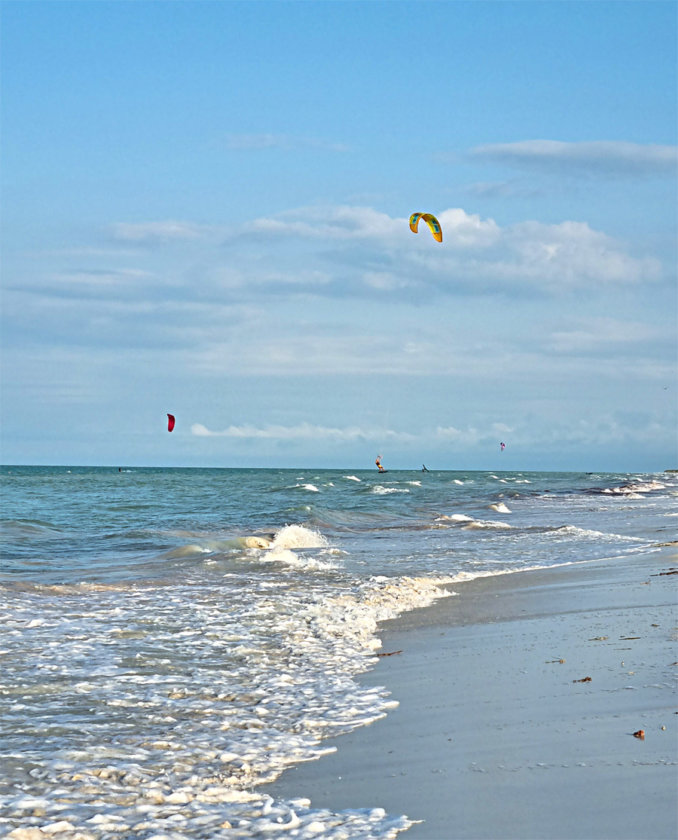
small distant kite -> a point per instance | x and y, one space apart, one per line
502 446
170 422
431 221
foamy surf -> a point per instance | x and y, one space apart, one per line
202 746
298 536
285 545
486 525
633 488
170 690
455 517
468 523
587 533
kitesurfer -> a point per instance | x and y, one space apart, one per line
431 221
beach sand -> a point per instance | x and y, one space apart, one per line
500 733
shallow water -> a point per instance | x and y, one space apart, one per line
173 639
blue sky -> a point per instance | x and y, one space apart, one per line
204 212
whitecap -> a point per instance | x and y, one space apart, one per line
293 560
352 478
255 542
500 507
479 525
297 536
573 530
632 489
36 622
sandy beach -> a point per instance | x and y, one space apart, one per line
519 699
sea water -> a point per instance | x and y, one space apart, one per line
172 639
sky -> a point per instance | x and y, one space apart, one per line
204 211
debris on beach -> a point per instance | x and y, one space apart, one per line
583 679
555 661
392 653
598 639
639 734
670 572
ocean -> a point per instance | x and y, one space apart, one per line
172 639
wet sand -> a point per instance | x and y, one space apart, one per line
500 733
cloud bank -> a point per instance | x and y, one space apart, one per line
373 251
593 158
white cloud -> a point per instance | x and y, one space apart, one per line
594 157
301 432
102 277
568 255
374 252
338 222
308 432
608 429
594 334
472 436
464 230
290 302
513 188
165 231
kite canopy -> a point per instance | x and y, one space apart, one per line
431 221
170 422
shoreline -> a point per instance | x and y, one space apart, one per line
500 732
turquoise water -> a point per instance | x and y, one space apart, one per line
174 638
